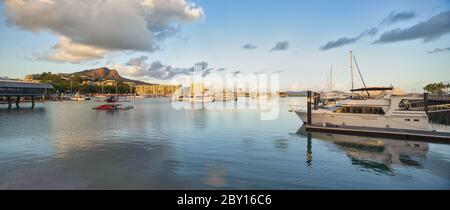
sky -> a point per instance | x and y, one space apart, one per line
405 43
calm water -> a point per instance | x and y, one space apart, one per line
67 145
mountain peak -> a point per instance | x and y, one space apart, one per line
106 74
100 73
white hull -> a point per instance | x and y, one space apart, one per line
78 99
399 121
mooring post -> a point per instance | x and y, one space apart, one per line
32 102
425 101
17 101
9 101
316 101
308 95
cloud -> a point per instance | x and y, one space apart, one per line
110 25
438 50
283 45
395 17
345 40
138 67
67 51
431 29
236 73
249 47
137 61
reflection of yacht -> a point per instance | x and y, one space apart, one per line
382 110
366 151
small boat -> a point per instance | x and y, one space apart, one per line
112 107
200 98
78 97
112 99
139 97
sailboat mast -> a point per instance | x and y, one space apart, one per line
351 67
331 78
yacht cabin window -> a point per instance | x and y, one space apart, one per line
360 110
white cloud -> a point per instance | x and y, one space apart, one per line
67 51
111 25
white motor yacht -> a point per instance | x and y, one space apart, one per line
383 110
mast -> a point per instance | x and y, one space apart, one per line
331 78
351 67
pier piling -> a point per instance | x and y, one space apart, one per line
8 98
308 93
32 102
17 102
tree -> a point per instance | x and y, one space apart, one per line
435 88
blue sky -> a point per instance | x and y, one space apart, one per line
218 36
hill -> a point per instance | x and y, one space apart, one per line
104 73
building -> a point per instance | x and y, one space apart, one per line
110 82
31 78
157 90
197 89
129 83
88 83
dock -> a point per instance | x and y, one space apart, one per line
401 134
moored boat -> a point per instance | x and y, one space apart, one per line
384 110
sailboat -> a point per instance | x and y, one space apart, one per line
328 96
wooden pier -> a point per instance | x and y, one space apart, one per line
15 91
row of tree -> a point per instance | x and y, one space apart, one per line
75 84
437 88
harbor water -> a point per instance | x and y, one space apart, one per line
68 145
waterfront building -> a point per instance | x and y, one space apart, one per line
156 89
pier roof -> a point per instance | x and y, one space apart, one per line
20 84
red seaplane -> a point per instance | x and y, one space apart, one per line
112 105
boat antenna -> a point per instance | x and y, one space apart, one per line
360 75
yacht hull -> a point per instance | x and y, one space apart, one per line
418 122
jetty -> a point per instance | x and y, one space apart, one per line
15 91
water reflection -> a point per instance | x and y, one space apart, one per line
309 157
154 146
281 144
374 154
215 176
